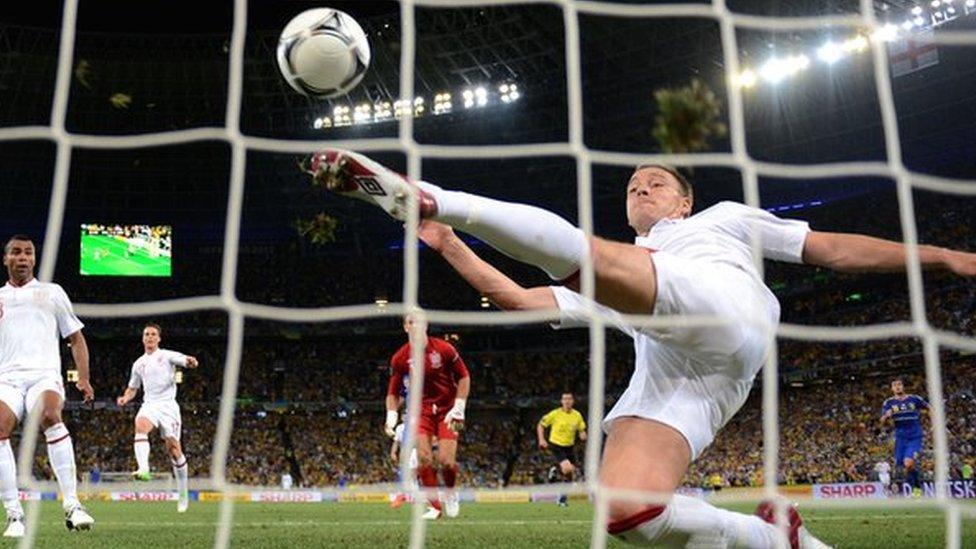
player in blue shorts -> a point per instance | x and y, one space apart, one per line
906 411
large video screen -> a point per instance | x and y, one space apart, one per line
126 250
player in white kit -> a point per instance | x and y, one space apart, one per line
155 372
33 316
883 468
688 381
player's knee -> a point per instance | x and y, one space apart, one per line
50 417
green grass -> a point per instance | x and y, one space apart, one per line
538 525
115 262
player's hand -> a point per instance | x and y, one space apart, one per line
191 362
961 263
543 445
391 421
435 234
454 418
121 401
86 389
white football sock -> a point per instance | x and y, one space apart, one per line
141 447
691 522
61 454
180 472
526 233
8 480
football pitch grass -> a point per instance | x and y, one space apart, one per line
117 260
371 525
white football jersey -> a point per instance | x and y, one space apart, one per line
33 319
156 374
398 433
882 467
722 233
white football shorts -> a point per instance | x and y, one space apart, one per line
695 379
21 391
164 415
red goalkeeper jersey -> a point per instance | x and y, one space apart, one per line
443 368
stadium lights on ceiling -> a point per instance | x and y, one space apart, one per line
917 19
509 92
443 103
830 53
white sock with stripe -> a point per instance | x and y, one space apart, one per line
8 480
529 234
180 472
61 454
141 447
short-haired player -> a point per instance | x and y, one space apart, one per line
155 372
565 425
445 392
688 381
906 412
34 316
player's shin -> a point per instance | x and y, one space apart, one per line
140 446
428 479
180 472
687 521
61 454
526 233
8 480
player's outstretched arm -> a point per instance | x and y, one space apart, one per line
540 431
79 351
501 290
859 253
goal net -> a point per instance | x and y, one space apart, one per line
585 158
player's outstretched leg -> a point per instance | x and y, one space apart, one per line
526 233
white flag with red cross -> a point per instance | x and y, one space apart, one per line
913 53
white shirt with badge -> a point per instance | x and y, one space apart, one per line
156 374
33 320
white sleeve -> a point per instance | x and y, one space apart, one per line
176 359
135 380
573 314
782 239
68 323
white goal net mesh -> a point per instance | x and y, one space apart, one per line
729 21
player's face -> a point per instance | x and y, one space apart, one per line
150 337
654 194
409 322
897 387
567 401
20 260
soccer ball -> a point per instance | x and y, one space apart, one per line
323 53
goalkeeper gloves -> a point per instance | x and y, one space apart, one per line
391 422
455 416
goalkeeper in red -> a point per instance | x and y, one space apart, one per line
446 388
688 381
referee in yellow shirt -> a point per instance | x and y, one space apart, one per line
564 424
